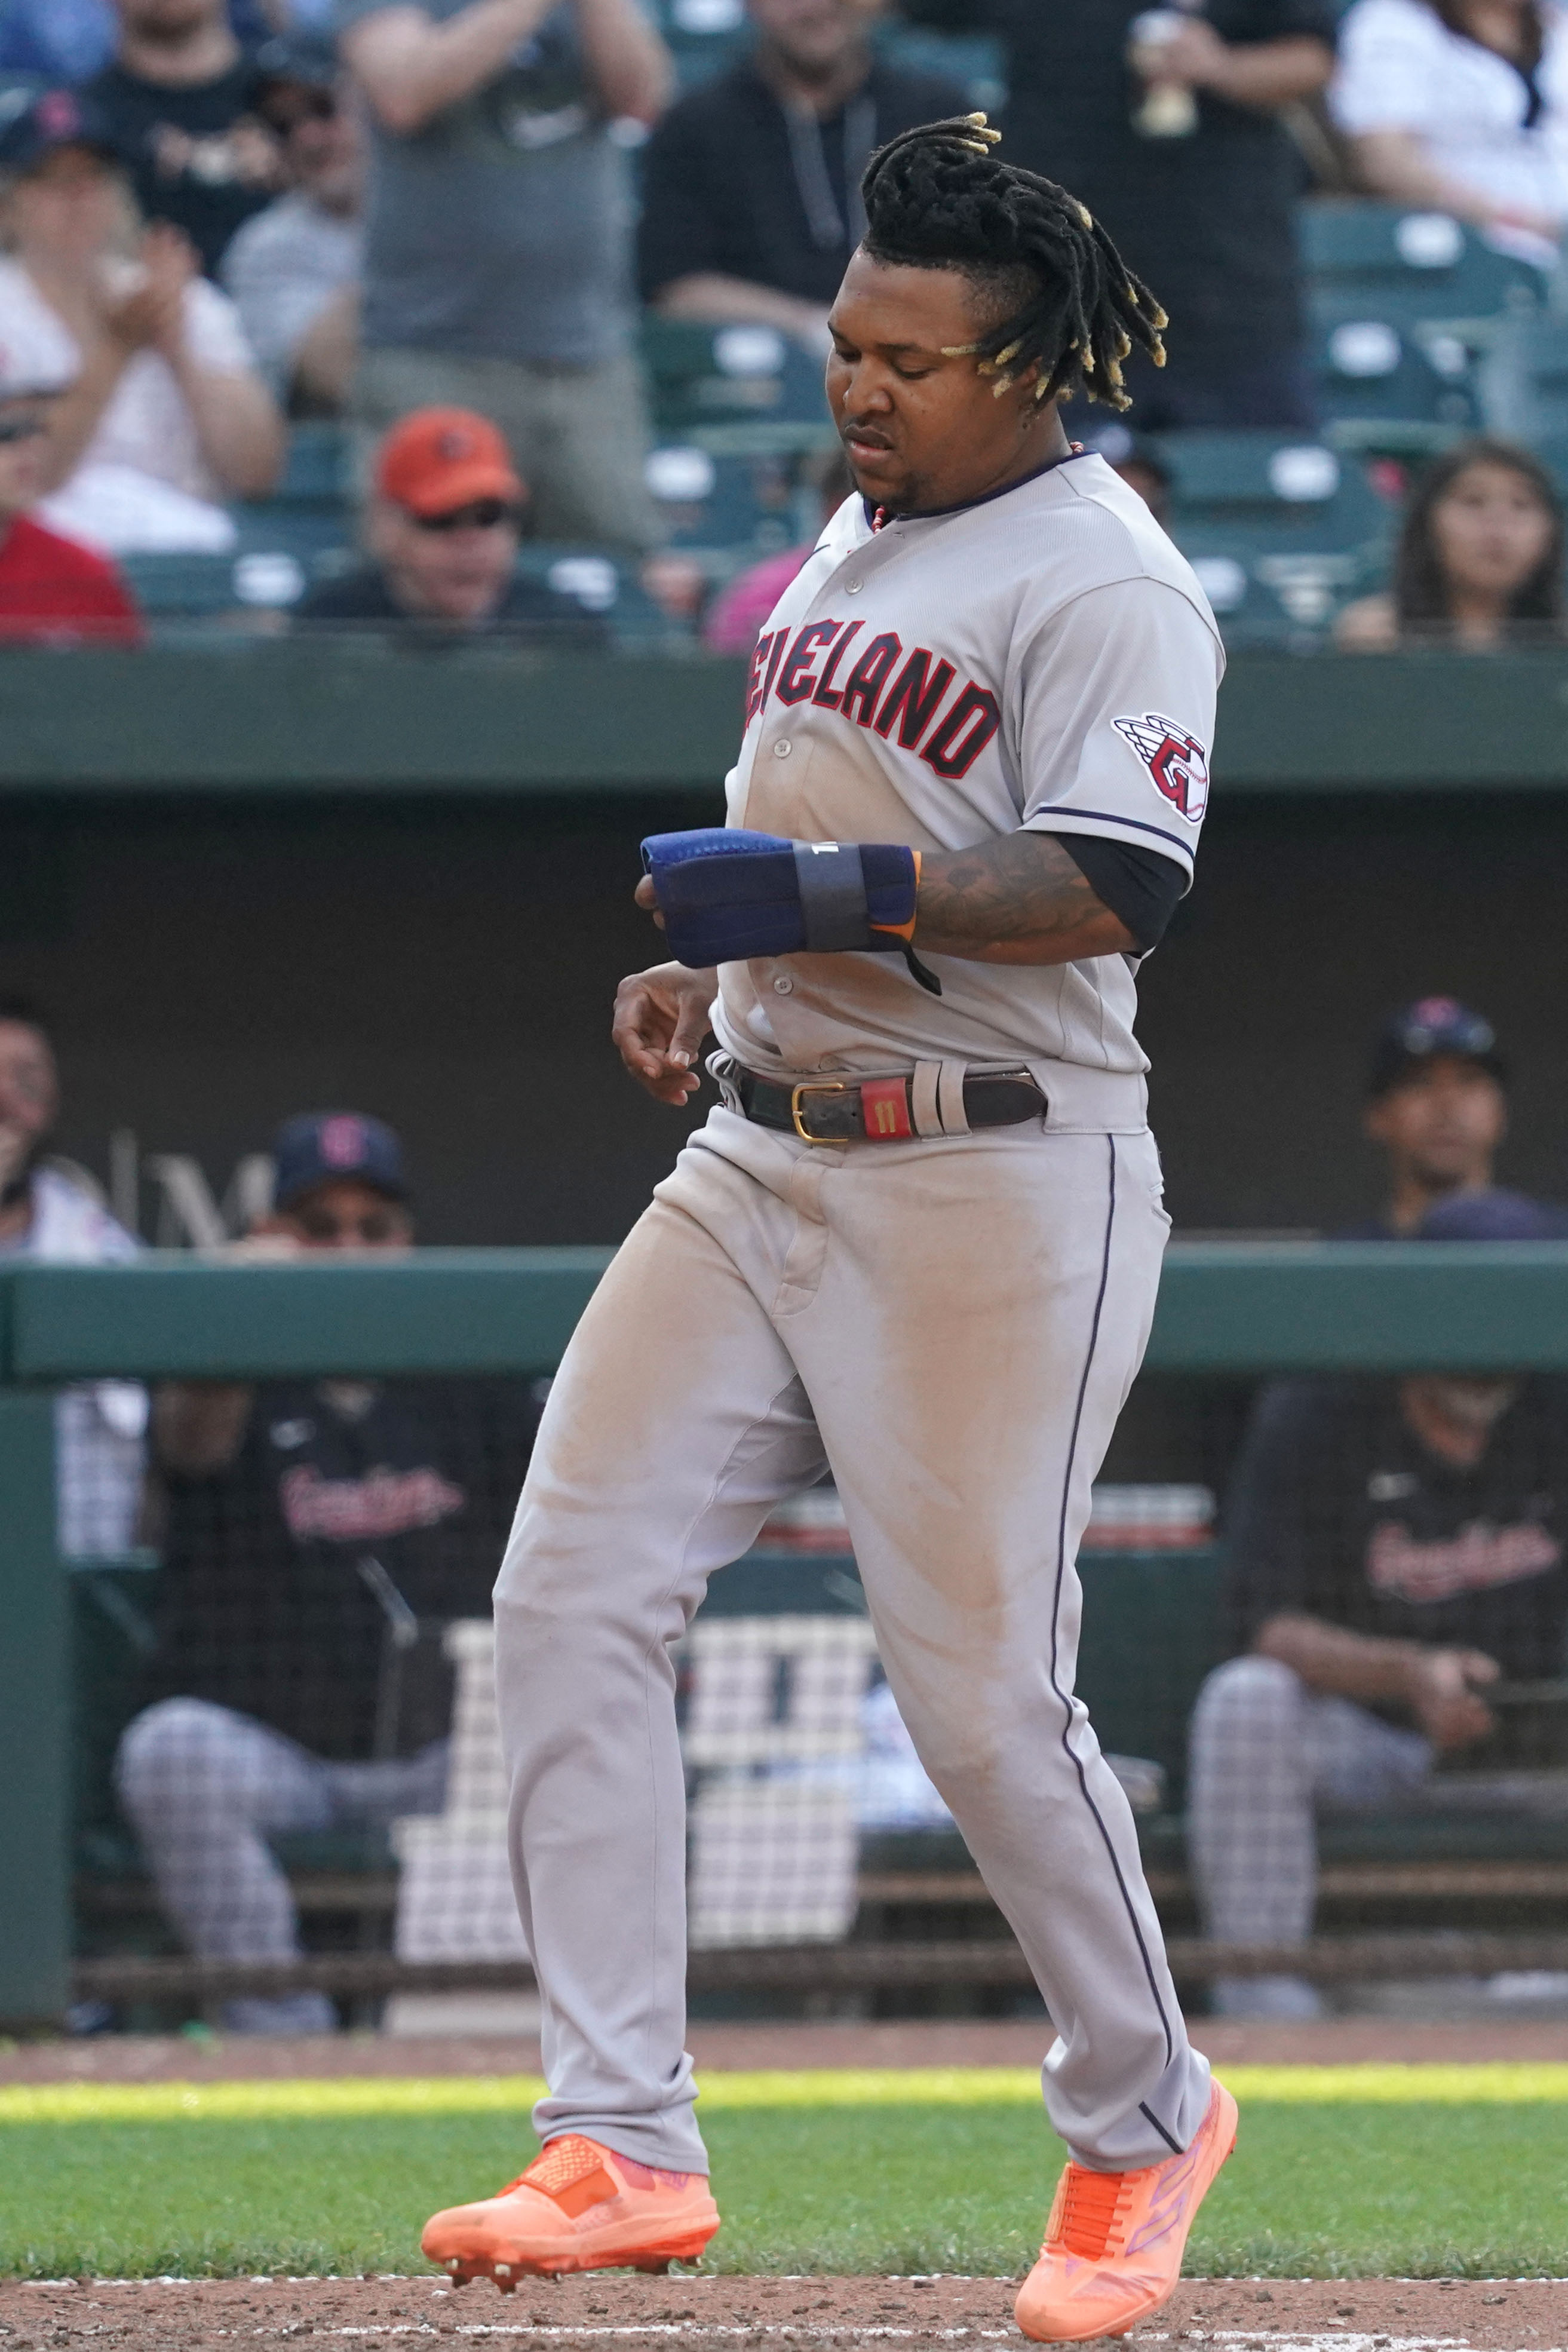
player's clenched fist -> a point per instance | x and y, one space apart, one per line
661 1020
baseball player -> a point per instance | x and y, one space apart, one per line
919 1243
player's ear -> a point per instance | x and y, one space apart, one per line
1025 391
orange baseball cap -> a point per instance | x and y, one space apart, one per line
439 459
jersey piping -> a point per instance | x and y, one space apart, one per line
1110 816
1066 1697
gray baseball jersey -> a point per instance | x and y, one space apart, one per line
1044 659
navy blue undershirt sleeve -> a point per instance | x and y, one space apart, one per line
1140 888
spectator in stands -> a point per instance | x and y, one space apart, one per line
499 210
1203 210
318 1535
737 616
181 99
67 40
52 591
751 184
443 528
294 270
1394 1548
50 1211
159 413
1457 106
1479 560
1437 1108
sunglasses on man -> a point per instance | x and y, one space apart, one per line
480 514
286 114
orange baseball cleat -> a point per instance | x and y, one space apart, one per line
579 2206
1115 2240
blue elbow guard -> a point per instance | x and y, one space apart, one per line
727 896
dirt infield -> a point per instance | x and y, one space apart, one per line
1334 2041
729 2315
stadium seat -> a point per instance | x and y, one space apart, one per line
1282 492
317 473
196 585
1267 596
752 502
1279 532
601 583
1538 350
1427 265
1382 383
269 576
310 516
703 375
313 537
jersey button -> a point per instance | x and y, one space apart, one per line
854 587
783 986
782 749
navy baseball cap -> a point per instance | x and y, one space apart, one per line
33 125
326 1146
1494 1216
1431 1026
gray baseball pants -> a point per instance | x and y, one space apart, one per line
205 1787
953 1326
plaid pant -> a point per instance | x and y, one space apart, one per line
205 1789
1267 1755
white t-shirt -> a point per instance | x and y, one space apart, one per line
1400 68
142 484
282 268
100 1425
1042 659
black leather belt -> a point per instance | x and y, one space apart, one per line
875 1110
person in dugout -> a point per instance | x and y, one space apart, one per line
318 1536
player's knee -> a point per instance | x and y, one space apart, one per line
1246 1697
176 1754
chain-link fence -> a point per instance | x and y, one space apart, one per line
254 1514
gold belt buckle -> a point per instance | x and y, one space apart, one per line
815 1086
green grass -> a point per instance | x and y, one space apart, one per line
1341 2174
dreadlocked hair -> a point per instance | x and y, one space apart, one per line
937 198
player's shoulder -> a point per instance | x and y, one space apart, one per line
1081 528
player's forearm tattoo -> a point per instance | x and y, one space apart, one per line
1019 891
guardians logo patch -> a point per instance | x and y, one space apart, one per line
1177 762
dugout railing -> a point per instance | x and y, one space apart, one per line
1228 1313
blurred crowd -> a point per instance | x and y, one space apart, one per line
440 225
